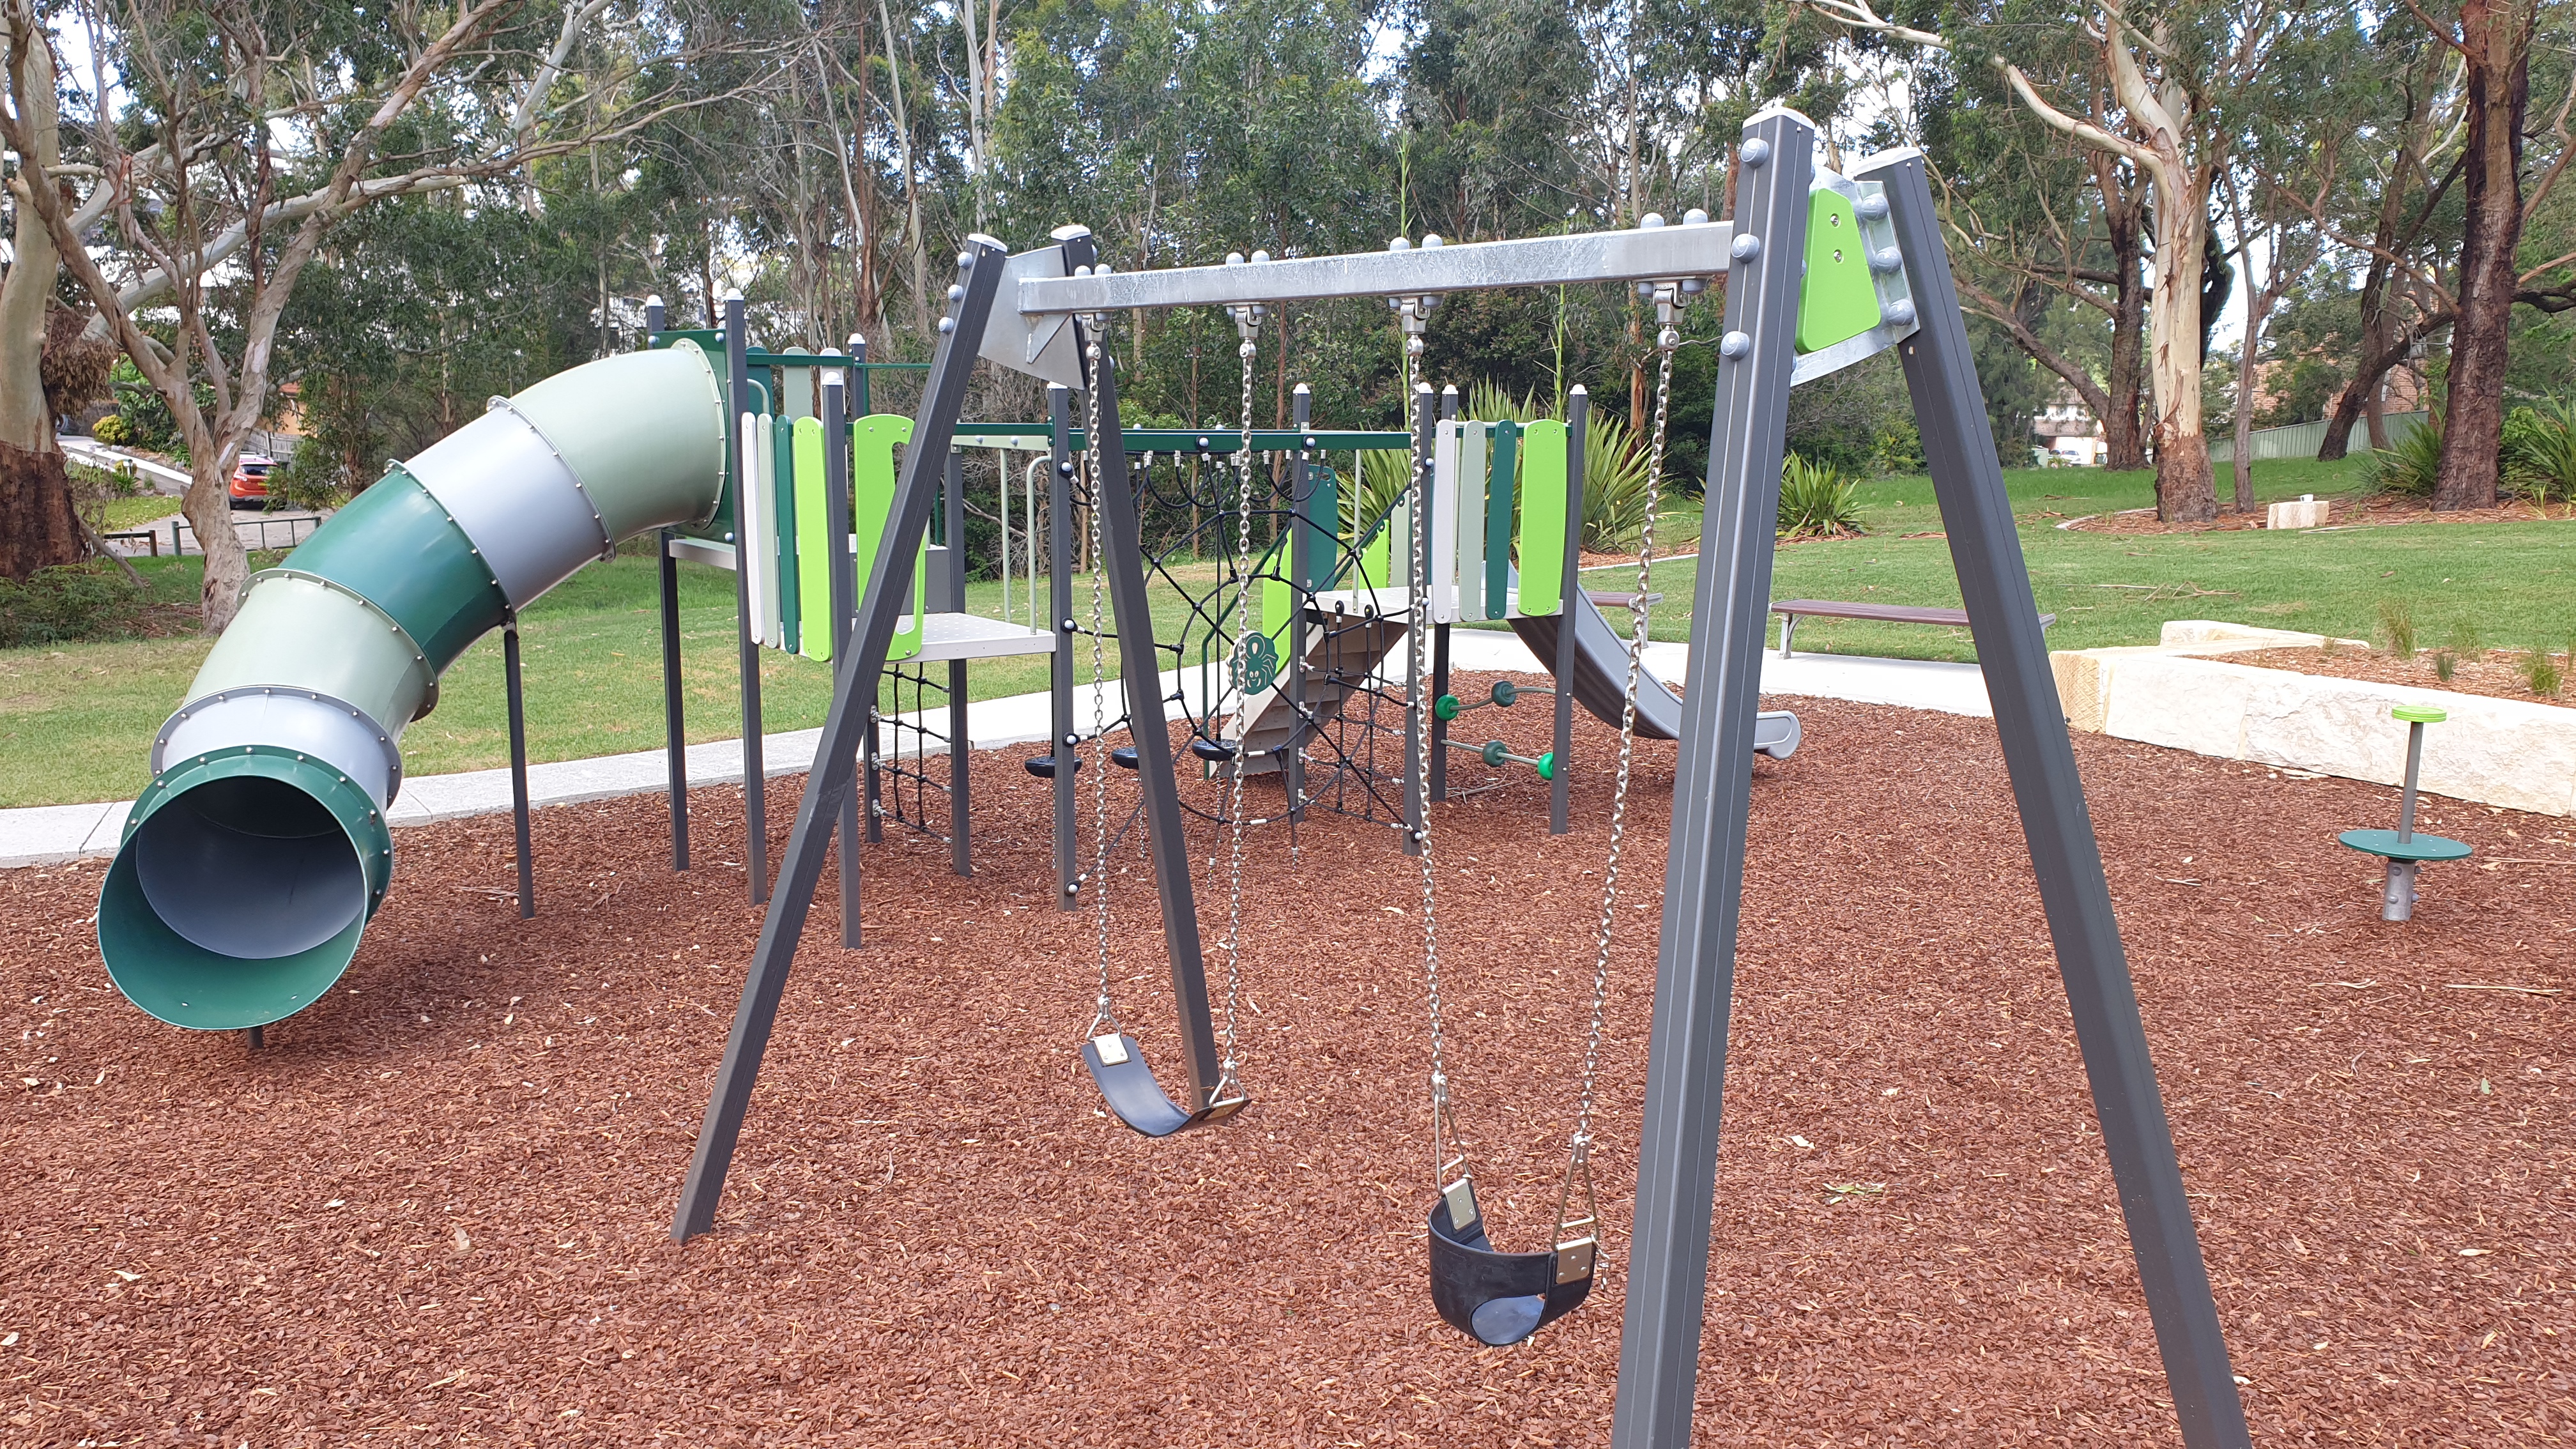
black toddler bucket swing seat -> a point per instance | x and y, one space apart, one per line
1500 1298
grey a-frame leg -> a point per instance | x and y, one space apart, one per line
1660 1339
854 687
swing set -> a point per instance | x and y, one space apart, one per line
1820 272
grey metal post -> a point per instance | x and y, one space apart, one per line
755 779
844 591
675 737
961 856
2414 772
855 673
1301 559
1560 788
1967 481
1122 557
518 760
1418 563
1068 870
1440 632
1659 1342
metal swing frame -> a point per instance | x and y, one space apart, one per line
1761 252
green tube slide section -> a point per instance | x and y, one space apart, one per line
253 862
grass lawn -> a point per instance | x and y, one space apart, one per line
2513 583
76 722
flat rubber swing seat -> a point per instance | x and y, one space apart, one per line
1494 1297
1043 766
1128 1086
2384 843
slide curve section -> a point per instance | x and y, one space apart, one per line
254 860
1600 680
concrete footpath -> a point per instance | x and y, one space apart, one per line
49 834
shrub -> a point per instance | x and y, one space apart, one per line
1815 500
2410 465
69 602
2539 455
1616 491
2444 664
110 430
2397 626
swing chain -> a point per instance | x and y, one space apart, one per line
1106 1013
1447 1155
1575 1253
1247 320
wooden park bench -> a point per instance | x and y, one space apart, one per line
1792 610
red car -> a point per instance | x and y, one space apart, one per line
250 481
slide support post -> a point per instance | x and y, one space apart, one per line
675 736
1560 787
738 475
518 761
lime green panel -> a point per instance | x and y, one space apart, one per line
872 444
813 543
2418 714
396 548
1542 518
1838 300
188 985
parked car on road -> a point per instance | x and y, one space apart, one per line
250 480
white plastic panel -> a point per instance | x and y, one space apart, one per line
1467 520
519 505
288 719
1443 582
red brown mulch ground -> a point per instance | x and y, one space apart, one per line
2349 511
2495 673
435 1209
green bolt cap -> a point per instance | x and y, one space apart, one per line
2418 714
1506 693
1447 706
1547 766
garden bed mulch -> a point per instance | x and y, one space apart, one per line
2349 511
2494 673
435 1209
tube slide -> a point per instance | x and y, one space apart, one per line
253 862
1601 679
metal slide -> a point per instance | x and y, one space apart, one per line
253 862
1601 678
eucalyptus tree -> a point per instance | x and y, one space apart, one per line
2150 84
223 143
38 528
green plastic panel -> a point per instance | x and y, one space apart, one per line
791 606
872 444
643 431
303 633
2385 843
395 547
1498 519
1468 527
1543 454
187 985
1838 299
813 543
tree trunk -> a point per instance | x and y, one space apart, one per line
37 529
2184 489
2124 443
2496 86
209 509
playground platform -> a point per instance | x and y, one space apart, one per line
49 834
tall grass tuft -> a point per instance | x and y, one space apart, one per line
1816 501
2540 671
2445 663
2397 626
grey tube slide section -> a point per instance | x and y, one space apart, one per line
1600 679
254 860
